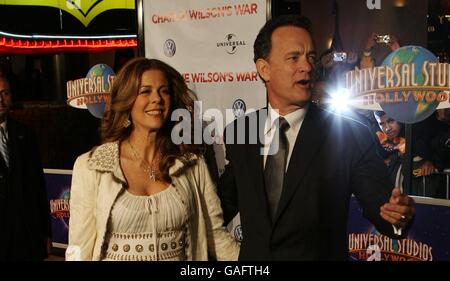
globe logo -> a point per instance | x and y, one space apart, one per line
231 43
409 85
232 48
96 106
93 91
66 196
60 208
410 110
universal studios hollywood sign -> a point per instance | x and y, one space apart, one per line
409 85
92 92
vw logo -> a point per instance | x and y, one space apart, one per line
238 232
239 108
169 48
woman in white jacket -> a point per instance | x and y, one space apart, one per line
138 196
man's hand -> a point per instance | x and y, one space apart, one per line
400 209
393 42
371 42
427 168
327 60
352 57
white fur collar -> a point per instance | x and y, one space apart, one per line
105 158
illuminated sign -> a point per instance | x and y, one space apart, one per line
409 85
84 10
92 92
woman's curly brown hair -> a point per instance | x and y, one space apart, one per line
123 96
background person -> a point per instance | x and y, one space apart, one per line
24 207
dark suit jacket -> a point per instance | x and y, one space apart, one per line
24 213
333 157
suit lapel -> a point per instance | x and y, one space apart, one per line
255 162
13 144
256 174
309 139
3 167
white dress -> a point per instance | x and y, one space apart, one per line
147 228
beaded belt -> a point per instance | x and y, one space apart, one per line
141 247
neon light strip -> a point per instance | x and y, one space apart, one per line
66 44
37 36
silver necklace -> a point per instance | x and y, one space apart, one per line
144 165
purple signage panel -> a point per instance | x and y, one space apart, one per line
428 239
58 192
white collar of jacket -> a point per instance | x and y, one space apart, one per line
105 158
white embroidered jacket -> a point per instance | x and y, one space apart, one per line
98 179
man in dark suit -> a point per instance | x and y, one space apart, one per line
24 208
293 201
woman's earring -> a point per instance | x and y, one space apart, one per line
127 123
